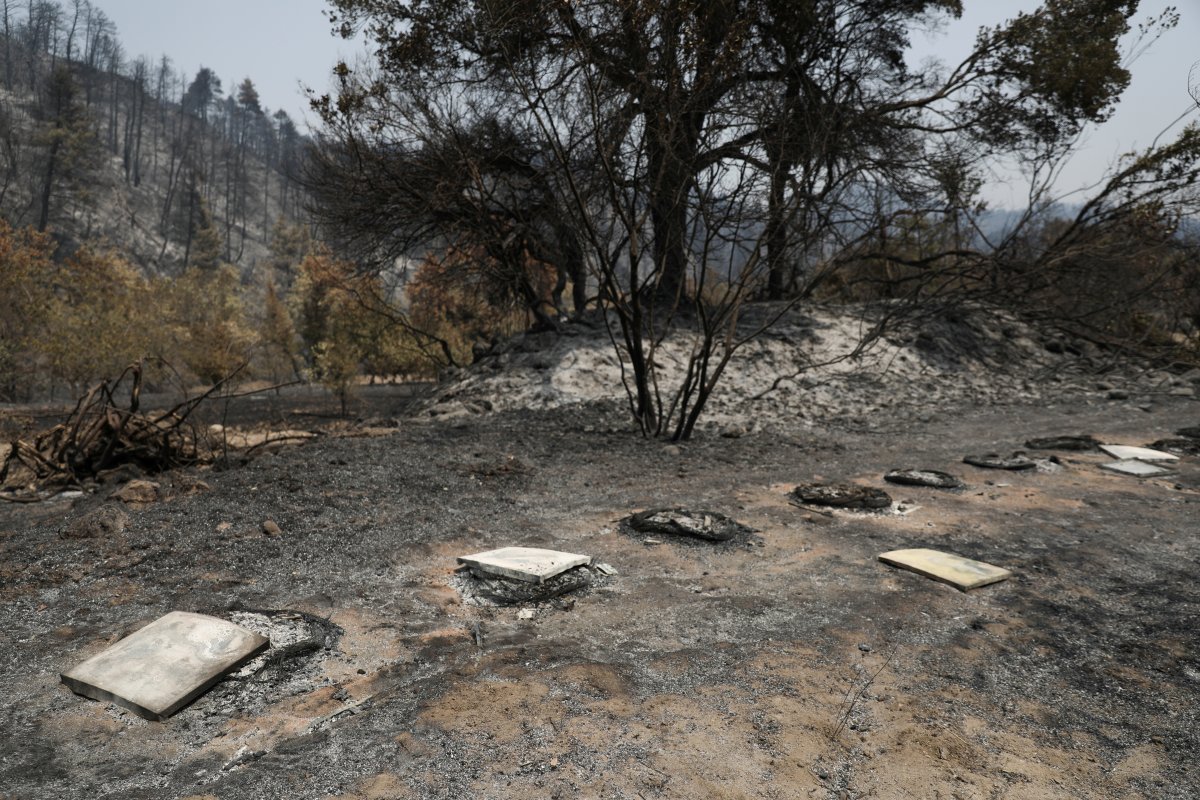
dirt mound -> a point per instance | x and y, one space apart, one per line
805 368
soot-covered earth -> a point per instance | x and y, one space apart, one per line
786 662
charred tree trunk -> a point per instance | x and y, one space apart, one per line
48 182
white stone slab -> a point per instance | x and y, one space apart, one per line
961 573
1126 452
165 665
528 564
1136 468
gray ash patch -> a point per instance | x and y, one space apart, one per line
897 508
845 496
482 589
684 523
1181 446
810 365
1017 461
931 478
293 635
1049 466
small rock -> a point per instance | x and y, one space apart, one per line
866 648
104 522
449 410
526 613
122 474
138 492
271 528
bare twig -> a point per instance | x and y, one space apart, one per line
855 694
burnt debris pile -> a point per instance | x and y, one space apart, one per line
708 525
105 431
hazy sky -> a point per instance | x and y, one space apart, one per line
281 44
1157 95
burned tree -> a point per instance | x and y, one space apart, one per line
696 147
474 187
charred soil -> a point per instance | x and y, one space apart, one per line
791 665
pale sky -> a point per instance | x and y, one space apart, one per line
278 44
1157 94
281 44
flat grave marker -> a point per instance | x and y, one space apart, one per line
1136 468
162 667
529 564
1127 452
961 573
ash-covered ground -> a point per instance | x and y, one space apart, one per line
819 365
788 663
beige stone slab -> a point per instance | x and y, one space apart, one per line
1126 452
529 564
1137 468
165 665
962 573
